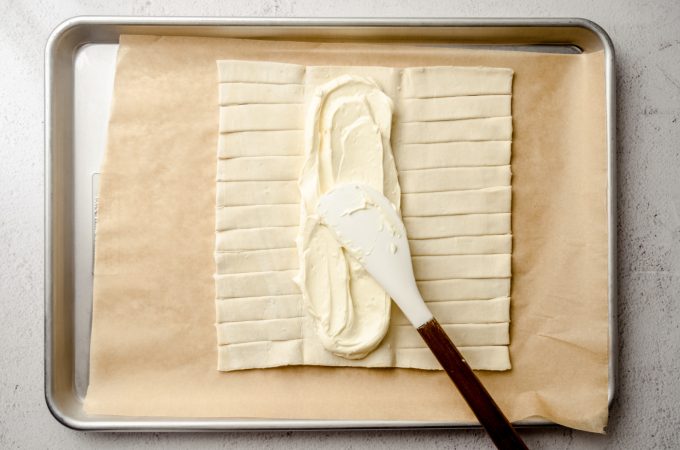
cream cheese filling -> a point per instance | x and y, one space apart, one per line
347 139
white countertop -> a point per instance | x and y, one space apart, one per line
646 413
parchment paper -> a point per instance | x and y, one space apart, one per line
153 340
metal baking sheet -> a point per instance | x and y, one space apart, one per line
80 63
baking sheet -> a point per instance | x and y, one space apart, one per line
153 348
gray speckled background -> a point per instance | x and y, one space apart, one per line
646 34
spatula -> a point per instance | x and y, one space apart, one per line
368 226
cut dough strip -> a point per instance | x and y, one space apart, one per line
259 308
257 284
457 225
237 118
454 108
261 168
464 289
259 143
257 72
461 266
480 358
255 238
472 311
256 261
462 245
426 82
259 355
452 154
476 201
453 179
468 334
259 330
243 193
258 93
256 216
487 129
468 311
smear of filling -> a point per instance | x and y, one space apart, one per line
347 139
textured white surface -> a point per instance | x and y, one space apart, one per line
647 38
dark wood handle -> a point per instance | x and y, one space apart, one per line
473 391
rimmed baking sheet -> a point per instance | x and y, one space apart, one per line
71 162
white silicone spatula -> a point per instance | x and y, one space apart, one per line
368 226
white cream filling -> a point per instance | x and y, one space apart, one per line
347 139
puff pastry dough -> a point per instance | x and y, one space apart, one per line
451 140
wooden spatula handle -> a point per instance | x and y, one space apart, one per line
488 413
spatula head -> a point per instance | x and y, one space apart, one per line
368 226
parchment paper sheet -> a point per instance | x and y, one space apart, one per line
153 340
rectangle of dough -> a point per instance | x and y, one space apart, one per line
451 140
